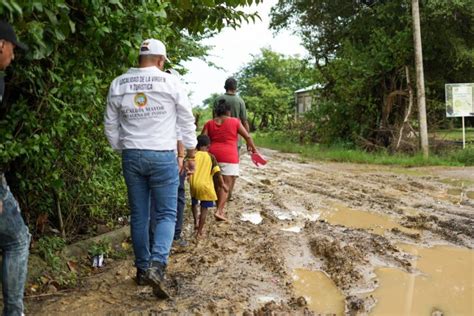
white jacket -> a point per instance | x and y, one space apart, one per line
145 108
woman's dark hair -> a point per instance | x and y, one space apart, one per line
203 140
230 84
222 108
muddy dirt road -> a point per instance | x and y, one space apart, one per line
349 238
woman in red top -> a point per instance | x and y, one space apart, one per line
224 132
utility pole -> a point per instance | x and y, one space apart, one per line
420 80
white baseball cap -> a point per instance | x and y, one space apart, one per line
153 47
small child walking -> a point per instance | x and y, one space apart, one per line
202 184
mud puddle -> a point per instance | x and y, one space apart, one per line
344 221
374 222
320 292
444 281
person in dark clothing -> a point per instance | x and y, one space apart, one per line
14 234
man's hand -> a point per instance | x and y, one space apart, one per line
190 166
181 165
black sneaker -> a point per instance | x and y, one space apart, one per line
156 277
141 277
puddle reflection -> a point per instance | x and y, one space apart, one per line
447 284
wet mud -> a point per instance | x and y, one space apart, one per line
295 222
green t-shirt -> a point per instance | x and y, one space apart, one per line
237 105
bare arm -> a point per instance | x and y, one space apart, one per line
190 165
180 149
243 116
246 125
204 130
221 182
243 132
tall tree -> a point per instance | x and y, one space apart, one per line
420 77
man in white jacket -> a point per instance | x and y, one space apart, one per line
144 108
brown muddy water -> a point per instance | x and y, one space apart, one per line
319 290
444 282
373 222
351 239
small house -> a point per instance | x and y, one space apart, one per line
304 98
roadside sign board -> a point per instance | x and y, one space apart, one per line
459 99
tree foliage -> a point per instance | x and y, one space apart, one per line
51 135
267 85
362 49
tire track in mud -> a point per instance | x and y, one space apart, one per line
240 266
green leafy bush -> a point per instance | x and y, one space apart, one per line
102 247
464 156
49 249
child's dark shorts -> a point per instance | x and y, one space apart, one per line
206 204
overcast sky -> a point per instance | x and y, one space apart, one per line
233 49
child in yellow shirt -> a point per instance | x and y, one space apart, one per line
202 184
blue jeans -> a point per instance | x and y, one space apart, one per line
14 243
151 173
180 211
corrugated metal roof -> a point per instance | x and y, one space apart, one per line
312 87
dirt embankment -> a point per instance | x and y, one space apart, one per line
312 218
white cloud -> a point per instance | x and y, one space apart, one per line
233 49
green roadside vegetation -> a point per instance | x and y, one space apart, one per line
454 134
343 153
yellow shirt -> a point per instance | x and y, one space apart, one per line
201 182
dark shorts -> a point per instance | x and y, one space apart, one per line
206 204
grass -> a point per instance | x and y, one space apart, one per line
279 141
454 134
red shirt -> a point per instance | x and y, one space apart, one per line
224 138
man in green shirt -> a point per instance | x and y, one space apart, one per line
237 105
